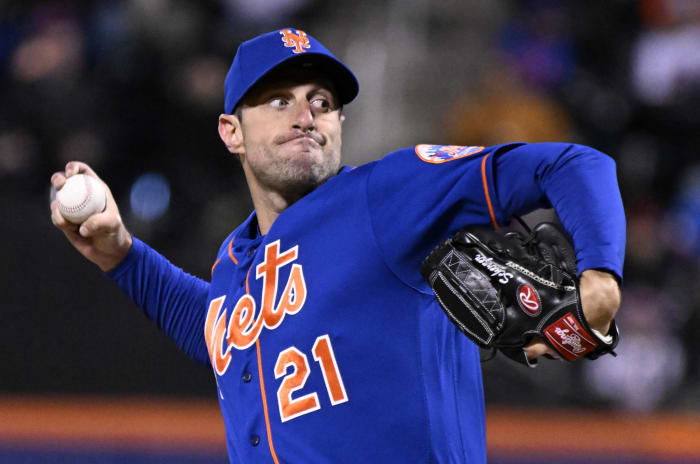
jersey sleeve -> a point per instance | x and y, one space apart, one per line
580 183
419 197
173 299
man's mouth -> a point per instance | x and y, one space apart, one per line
305 140
310 138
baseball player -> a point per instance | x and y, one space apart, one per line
326 343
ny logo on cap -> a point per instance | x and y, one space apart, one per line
298 41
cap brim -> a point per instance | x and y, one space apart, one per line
344 81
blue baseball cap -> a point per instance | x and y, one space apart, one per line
257 57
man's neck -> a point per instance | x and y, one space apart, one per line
269 204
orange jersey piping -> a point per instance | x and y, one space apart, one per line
230 252
264 401
262 384
486 192
216 263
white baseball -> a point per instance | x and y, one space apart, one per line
81 197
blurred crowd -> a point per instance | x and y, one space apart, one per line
134 88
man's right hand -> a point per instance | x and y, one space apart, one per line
102 238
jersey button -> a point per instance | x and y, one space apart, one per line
251 251
247 377
255 440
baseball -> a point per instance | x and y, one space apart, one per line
81 197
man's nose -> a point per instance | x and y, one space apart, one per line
304 117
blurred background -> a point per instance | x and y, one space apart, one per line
134 88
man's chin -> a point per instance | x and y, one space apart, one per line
310 179
294 151
300 170
300 174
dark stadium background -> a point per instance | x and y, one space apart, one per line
134 88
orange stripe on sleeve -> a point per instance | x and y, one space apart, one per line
486 192
230 252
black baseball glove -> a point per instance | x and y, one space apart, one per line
502 289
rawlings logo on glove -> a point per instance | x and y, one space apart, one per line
501 290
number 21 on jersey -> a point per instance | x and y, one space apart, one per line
295 380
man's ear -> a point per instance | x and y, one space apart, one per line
231 133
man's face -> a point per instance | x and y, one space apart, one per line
291 128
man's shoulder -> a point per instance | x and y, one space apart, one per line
431 153
426 154
436 154
407 161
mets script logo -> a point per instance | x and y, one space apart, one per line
242 329
437 154
298 41
529 300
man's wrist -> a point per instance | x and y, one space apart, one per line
600 298
121 252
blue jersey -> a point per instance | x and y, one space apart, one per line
326 343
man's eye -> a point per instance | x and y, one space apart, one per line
278 102
320 104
